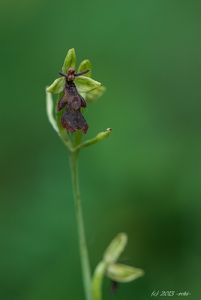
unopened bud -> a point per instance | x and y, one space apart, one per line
115 248
102 135
123 273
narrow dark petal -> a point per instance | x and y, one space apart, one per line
81 73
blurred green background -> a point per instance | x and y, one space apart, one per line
144 179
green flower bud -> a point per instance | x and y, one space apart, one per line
102 135
115 248
123 273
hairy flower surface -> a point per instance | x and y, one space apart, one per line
72 118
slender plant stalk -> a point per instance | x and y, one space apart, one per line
97 281
80 223
66 119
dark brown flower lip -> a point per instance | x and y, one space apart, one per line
73 121
72 118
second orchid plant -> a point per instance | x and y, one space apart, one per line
75 90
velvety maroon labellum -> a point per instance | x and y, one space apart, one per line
72 118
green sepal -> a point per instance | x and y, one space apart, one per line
85 65
57 86
123 273
85 84
115 248
69 61
95 93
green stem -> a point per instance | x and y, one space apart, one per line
80 223
97 281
